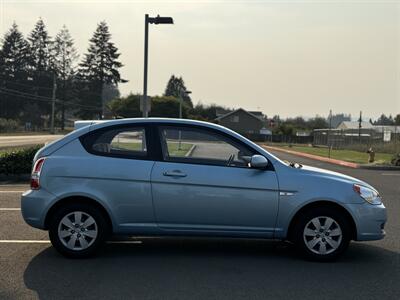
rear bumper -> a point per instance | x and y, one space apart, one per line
370 221
34 205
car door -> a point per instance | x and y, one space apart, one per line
203 184
117 171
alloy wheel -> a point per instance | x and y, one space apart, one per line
322 235
77 230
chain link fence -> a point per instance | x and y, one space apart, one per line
385 139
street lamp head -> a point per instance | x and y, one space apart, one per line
188 92
161 20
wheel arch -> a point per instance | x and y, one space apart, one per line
321 203
78 199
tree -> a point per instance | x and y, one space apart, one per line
41 46
127 107
384 120
284 129
206 112
317 123
176 88
397 119
99 67
14 60
41 64
297 122
65 56
167 107
161 106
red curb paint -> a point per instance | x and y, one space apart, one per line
316 157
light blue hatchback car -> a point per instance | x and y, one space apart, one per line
161 177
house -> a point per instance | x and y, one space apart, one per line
367 125
243 121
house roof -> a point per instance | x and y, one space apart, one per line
258 117
367 125
355 125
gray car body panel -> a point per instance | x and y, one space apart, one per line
211 200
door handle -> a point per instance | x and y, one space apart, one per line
175 173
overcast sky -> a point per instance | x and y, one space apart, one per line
282 57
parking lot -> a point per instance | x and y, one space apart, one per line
177 268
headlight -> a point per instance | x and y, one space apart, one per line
368 194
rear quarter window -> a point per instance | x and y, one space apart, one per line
129 142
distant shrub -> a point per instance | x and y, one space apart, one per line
7 125
17 161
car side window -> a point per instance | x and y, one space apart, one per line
192 145
127 141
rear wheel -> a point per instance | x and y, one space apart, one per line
322 234
77 230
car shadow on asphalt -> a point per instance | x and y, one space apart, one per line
173 268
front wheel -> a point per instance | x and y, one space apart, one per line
77 230
322 234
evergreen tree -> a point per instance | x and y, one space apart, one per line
42 67
176 88
65 56
98 68
41 46
384 120
14 59
397 119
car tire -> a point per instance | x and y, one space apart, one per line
77 230
322 234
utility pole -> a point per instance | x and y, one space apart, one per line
359 127
329 133
102 101
53 104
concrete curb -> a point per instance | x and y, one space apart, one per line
335 161
380 167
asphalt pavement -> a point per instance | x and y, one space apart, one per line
178 268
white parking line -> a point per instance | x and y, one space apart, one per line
9 208
24 241
390 174
47 242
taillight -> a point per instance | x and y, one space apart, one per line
35 176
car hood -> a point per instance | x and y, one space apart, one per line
332 175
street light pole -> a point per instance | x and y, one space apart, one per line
148 20
146 50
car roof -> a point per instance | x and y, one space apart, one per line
105 123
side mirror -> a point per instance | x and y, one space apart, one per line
258 162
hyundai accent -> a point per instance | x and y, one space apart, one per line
172 177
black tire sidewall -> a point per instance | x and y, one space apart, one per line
61 213
319 212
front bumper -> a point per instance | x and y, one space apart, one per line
370 221
34 206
